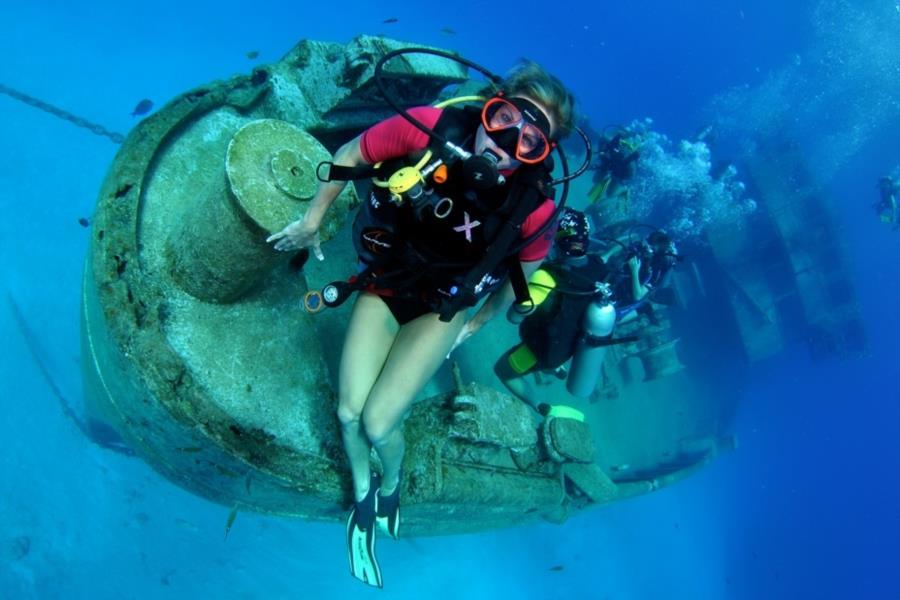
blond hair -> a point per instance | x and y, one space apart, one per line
531 80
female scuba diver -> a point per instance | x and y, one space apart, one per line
429 253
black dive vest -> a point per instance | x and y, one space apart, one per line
559 315
553 329
432 251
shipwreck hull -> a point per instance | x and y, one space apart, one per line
788 273
198 352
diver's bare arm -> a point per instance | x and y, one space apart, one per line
638 290
348 155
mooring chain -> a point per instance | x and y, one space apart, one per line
62 114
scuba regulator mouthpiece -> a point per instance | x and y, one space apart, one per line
481 172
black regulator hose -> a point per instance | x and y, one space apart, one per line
379 83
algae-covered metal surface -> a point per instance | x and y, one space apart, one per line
199 353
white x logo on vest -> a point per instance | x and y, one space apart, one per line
467 226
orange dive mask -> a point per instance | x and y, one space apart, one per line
518 127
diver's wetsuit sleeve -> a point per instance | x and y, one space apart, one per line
396 137
539 248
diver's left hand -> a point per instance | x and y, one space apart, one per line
468 329
297 235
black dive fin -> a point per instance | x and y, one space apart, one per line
361 550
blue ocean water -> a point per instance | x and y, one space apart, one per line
805 508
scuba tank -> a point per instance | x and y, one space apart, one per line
597 326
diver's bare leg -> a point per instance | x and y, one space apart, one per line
512 380
416 355
520 388
370 334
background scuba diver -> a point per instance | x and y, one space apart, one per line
616 165
578 298
649 264
395 340
886 207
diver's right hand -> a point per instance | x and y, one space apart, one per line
468 330
297 235
634 263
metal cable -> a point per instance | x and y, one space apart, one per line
118 138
